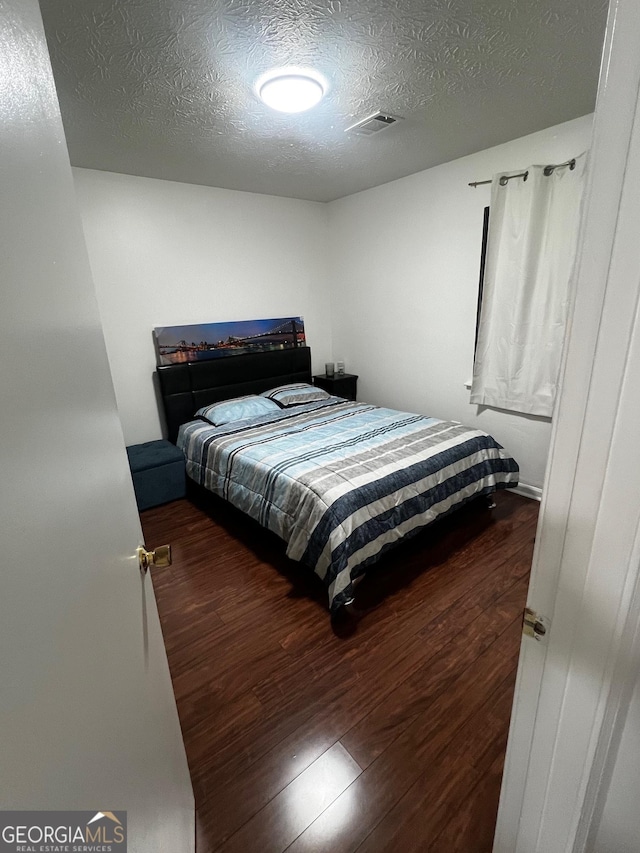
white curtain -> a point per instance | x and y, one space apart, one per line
533 230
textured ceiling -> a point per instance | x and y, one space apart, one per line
163 88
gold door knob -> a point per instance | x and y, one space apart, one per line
161 556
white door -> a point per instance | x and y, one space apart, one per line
573 684
87 715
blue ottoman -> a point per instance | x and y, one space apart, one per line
157 469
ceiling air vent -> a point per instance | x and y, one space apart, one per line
372 124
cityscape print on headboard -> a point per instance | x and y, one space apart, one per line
202 341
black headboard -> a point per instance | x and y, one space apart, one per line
187 387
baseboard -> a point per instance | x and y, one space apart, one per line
528 491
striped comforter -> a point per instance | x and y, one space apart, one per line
341 482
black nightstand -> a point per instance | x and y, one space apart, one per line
340 384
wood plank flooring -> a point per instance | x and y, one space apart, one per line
382 734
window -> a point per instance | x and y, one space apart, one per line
483 260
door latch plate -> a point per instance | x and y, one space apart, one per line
533 625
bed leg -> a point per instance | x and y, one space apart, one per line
490 503
345 620
346 611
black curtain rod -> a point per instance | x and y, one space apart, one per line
548 170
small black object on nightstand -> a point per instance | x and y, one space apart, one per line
340 384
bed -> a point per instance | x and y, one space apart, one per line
340 482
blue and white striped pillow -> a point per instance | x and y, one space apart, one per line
237 409
295 394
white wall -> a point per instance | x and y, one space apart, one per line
165 253
386 279
404 271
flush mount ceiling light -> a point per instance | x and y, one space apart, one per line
291 90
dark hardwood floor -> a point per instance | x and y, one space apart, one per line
385 734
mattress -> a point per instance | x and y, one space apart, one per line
342 482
